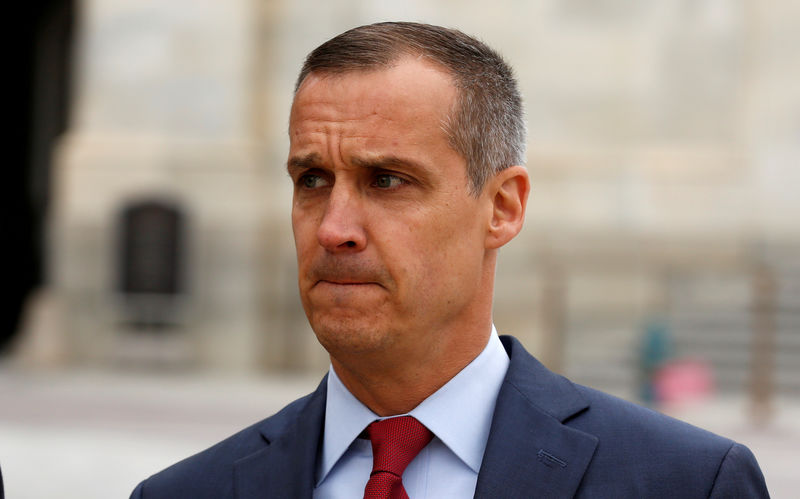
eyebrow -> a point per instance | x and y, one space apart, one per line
388 161
314 160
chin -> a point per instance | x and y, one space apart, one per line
350 335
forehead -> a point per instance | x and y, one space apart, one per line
410 90
393 116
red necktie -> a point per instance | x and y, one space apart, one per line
395 443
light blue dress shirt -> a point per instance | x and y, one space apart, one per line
459 414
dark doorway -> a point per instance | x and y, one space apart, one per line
150 262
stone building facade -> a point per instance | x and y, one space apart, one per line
664 139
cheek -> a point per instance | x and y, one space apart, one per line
458 248
304 228
304 250
440 251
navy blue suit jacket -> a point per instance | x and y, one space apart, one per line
550 438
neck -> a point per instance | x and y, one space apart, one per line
388 387
396 377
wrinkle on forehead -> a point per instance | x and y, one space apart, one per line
399 112
365 100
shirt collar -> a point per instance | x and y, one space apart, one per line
345 418
459 413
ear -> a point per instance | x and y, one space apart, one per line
508 192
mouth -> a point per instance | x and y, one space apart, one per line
344 274
347 282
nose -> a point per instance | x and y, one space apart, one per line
341 228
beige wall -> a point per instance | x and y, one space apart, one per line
658 132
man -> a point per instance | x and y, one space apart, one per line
406 153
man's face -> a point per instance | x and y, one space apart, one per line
390 244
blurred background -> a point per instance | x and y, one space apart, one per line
153 307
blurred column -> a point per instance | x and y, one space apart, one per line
162 114
553 313
762 364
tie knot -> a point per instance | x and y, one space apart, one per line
396 442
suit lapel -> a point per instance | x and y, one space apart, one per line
530 452
285 467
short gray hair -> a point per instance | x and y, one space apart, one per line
486 125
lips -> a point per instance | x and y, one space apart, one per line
344 272
344 286
346 282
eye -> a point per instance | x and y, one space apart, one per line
386 181
311 181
